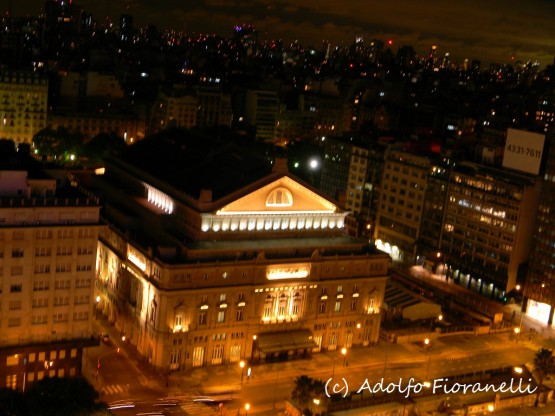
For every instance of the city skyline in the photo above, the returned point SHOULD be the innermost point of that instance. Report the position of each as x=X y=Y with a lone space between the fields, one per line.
x=491 y=32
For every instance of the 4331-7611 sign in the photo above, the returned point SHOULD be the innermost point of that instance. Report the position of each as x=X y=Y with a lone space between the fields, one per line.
x=523 y=151
x=526 y=151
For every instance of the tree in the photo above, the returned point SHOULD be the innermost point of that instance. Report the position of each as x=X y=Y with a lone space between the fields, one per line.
x=62 y=396
x=543 y=365
x=58 y=144
x=102 y=145
x=302 y=393
x=306 y=391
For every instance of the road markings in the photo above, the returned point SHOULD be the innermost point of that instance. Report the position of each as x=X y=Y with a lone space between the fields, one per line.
x=112 y=389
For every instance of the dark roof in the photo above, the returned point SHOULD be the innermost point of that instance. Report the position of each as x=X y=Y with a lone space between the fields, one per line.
x=191 y=162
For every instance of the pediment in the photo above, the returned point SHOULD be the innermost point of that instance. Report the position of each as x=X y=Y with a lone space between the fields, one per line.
x=283 y=195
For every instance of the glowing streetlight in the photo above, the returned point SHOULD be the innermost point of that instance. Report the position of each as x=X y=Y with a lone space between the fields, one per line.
x=97 y=305
x=242 y=365
x=344 y=353
x=247 y=407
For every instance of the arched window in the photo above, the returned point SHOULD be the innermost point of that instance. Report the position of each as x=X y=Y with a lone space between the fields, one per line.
x=279 y=197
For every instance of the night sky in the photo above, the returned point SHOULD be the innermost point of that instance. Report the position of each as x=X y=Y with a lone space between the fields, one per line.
x=489 y=30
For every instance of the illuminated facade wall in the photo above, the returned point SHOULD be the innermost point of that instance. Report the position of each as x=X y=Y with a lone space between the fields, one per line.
x=47 y=262
x=213 y=311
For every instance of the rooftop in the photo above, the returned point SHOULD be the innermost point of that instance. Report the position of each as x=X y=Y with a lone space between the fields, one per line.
x=191 y=162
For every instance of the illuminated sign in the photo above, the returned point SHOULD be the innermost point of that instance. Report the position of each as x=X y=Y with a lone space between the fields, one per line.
x=290 y=271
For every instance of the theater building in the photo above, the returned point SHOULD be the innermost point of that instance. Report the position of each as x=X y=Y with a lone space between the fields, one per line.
x=214 y=256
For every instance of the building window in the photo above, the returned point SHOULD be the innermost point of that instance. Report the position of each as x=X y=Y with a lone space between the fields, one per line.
x=63 y=251
x=42 y=268
x=322 y=307
x=268 y=306
x=17 y=252
x=42 y=251
x=40 y=285
x=354 y=305
x=239 y=314
x=337 y=306
x=202 y=318
x=15 y=288
x=221 y=316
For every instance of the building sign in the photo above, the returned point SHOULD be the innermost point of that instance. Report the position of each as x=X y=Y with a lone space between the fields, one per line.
x=523 y=151
x=287 y=271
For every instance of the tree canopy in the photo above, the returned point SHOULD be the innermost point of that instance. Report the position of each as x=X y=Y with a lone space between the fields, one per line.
x=53 y=397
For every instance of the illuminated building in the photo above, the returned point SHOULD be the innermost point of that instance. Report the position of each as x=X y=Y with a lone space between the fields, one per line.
x=352 y=170
x=128 y=126
x=23 y=105
x=539 y=290
x=212 y=256
x=214 y=106
x=488 y=226
x=48 y=242
x=401 y=205
x=176 y=107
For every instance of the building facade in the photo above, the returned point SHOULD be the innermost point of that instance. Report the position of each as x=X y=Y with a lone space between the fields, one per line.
x=489 y=221
x=539 y=290
x=214 y=275
x=48 y=242
x=23 y=105
x=401 y=206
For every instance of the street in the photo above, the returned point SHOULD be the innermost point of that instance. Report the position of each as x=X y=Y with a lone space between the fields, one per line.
x=131 y=390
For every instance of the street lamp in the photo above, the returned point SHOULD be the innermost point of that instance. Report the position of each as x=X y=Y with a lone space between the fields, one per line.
x=344 y=353
x=247 y=407
x=97 y=304
x=517 y=333
x=242 y=365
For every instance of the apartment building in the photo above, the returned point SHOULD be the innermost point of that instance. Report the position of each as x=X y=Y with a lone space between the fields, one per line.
x=400 y=210
x=23 y=105
x=488 y=226
x=539 y=290
x=48 y=242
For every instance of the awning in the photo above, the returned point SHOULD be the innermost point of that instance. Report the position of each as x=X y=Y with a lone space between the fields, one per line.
x=281 y=341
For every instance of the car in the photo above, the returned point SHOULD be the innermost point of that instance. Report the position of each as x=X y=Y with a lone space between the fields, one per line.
x=105 y=338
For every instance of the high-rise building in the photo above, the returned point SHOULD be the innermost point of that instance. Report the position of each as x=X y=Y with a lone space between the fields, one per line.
x=488 y=226
x=48 y=242
x=261 y=109
x=539 y=290
x=400 y=210
x=212 y=256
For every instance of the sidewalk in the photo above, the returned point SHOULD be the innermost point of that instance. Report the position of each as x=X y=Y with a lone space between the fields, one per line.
x=229 y=376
